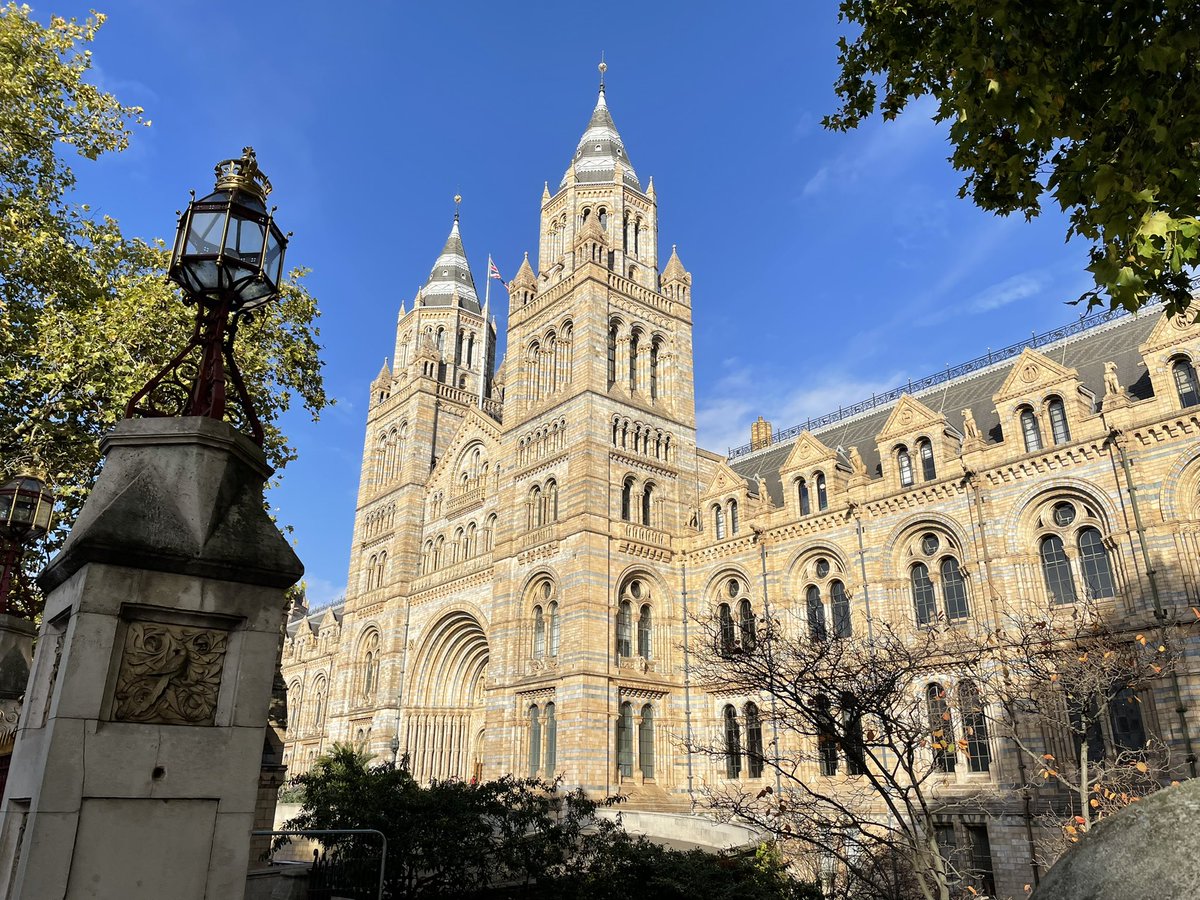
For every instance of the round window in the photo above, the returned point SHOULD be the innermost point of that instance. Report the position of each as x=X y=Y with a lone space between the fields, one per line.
x=546 y=590
x=733 y=587
x=930 y=544
x=1064 y=514
x=822 y=567
x=635 y=588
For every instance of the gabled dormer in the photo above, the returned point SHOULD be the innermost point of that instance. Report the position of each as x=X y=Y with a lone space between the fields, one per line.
x=1041 y=403
x=811 y=476
x=727 y=503
x=916 y=444
x=1172 y=353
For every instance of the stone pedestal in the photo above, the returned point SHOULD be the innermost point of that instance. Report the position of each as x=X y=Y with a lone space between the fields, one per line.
x=136 y=768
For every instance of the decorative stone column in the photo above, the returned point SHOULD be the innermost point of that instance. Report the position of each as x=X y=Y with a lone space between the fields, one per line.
x=140 y=745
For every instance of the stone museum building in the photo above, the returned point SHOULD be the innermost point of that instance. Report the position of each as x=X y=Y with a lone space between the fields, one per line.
x=531 y=540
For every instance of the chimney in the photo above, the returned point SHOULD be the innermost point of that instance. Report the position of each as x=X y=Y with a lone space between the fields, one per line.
x=760 y=434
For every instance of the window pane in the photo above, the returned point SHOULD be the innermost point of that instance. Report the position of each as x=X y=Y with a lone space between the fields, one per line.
x=928 y=467
x=644 y=633
x=754 y=742
x=733 y=744
x=922 y=594
x=827 y=745
x=746 y=621
x=816 y=614
x=1185 y=383
x=822 y=496
x=646 y=741
x=979 y=754
x=1030 y=430
x=718 y=522
x=733 y=516
x=981 y=872
x=539 y=632
x=840 y=606
x=954 y=590
x=941 y=729
x=551 y=742
x=1125 y=710
x=1057 y=570
x=852 y=731
x=805 y=507
x=625 y=629
x=728 y=630
x=1058 y=422
x=535 y=741
x=904 y=462
x=625 y=740
x=1093 y=559
x=554 y=629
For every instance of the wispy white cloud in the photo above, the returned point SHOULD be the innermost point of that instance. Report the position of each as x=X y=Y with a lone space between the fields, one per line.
x=745 y=392
x=322 y=592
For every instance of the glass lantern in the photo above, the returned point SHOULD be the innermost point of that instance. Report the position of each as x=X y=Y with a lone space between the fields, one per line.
x=26 y=506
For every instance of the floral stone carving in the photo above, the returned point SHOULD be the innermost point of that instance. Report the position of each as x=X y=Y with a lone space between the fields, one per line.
x=170 y=674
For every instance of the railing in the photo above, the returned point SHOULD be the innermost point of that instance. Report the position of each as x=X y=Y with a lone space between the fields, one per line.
x=644 y=534
x=466 y=500
x=980 y=362
x=541 y=535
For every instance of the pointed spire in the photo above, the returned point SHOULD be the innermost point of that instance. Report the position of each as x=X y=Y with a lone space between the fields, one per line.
x=545 y=191
x=601 y=148
x=650 y=188
x=384 y=373
x=525 y=276
x=402 y=311
x=450 y=282
x=674 y=270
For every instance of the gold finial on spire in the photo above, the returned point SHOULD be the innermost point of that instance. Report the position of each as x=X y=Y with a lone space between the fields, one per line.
x=457 y=204
x=603 y=67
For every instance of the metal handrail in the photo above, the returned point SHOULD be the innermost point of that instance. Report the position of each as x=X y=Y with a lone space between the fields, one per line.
x=949 y=373
x=315 y=831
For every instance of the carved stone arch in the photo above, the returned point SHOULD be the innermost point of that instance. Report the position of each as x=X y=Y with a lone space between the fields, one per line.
x=1179 y=487
x=1019 y=528
x=911 y=527
x=713 y=585
x=453 y=644
x=812 y=549
x=536 y=575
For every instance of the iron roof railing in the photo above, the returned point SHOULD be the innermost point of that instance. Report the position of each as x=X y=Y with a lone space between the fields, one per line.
x=875 y=401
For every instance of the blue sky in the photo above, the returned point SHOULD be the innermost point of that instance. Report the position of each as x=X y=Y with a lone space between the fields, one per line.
x=826 y=266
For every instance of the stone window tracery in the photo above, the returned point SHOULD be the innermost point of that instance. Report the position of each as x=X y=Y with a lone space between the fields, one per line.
x=1072 y=552
x=826 y=587
x=935 y=572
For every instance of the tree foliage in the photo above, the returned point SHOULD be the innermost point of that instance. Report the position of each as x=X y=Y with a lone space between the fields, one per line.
x=512 y=837
x=1097 y=104
x=86 y=314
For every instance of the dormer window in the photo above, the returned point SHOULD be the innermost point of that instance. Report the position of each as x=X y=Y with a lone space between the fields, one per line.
x=1058 y=421
x=904 y=466
x=928 y=466
x=1184 y=375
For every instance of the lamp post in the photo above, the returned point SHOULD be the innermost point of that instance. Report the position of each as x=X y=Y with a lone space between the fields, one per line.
x=26 y=505
x=228 y=258
x=395 y=745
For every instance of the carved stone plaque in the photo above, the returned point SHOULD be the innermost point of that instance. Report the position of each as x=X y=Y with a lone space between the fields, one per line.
x=169 y=674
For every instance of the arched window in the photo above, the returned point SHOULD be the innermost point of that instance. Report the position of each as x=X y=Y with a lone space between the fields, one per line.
x=728 y=629
x=1056 y=569
x=852 y=729
x=646 y=741
x=370 y=664
x=822 y=494
x=627 y=500
x=634 y=340
x=941 y=729
x=922 y=594
x=719 y=522
x=1058 y=421
x=539 y=633
x=318 y=705
x=553 y=611
x=644 y=631
x=928 y=466
x=904 y=466
x=802 y=489
x=551 y=741
x=625 y=740
x=979 y=754
x=612 y=353
x=1093 y=560
x=1186 y=386
x=827 y=742
x=746 y=624
x=839 y=605
x=647 y=503
x=1030 y=430
x=1125 y=716
x=534 y=510
x=489 y=532
x=733 y=744
x=816 y=613
x=754 y=742
x=655 y=348
x=625 y=629
x=535 y=740
x=954 y=590
x=551 y=501
x=733 y=517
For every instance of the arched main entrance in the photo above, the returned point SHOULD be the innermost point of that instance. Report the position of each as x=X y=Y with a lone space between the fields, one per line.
x=446 y=714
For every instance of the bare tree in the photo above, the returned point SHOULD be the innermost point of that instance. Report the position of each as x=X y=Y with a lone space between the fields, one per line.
x=862 y=739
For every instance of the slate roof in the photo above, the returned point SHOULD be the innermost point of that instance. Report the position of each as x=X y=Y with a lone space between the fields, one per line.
x=1116 y=340
x=599 y=150
x=451 y=275
x=326 y=615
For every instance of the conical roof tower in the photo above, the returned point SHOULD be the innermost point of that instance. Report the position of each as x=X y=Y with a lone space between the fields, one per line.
x=450 y=280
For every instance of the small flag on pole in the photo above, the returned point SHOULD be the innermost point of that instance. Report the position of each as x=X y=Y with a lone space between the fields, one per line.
x=493 y=272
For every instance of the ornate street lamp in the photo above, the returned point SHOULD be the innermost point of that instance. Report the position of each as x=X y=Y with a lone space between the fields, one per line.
x=228 y=258
x=26 y=506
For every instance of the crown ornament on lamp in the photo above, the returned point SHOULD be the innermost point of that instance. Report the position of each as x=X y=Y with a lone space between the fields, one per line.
x=228 y=259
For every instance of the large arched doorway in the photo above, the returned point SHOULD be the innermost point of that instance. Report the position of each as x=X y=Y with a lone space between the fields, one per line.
x=446 y=713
